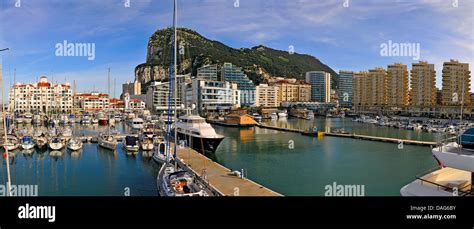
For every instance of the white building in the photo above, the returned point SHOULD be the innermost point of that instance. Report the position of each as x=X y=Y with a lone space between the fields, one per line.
x=94 y=101
x=135 y=104
x=41 y=96
x=266 y=96
x=212 y=96
x=158 y=97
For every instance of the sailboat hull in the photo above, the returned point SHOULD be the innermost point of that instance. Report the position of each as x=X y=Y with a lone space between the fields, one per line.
x=107 y=144
x=202 y=145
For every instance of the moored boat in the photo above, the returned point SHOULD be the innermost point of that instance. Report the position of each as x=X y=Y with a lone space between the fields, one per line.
x=27 y=142
x=56 y=143
x=176 y=182
x=198 y=133
x=74 y=144
x=131 y=144
x=107 y=141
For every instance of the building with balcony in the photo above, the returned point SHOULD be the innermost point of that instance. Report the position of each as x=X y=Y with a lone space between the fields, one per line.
x=41 y=96
x=212 y=96
x=234 y=74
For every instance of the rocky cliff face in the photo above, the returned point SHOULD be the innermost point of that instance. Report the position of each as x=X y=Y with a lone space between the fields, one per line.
x=195 y=51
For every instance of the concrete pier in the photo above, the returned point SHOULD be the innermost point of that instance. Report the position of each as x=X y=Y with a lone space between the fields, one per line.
x=219 y=177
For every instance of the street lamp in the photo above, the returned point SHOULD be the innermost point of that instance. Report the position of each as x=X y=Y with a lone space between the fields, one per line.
x=5 y=49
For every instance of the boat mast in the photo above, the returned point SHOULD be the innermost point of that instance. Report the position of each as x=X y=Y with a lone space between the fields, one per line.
x=175 y=94
x=108 y=113
x=14 y=95
x=5 y=136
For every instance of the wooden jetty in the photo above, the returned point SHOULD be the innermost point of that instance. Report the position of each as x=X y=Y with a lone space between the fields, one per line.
x=383 y=139
x=219 y=177
x=355 y=136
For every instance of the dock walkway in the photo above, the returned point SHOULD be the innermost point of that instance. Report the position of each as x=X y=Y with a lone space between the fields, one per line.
x=355 y=136
x=219 y=177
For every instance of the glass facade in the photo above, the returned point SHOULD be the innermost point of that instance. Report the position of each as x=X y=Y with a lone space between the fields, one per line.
x=320 y=86
x=234 y=74
x=345 y=88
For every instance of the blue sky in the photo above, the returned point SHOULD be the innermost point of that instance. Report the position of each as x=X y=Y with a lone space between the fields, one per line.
x=346 y=38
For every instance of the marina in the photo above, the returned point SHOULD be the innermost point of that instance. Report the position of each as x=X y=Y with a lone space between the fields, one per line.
x=251 y=151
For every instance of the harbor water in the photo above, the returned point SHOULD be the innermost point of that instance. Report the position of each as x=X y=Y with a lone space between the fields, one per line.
x=288 y=163
x=297 y=165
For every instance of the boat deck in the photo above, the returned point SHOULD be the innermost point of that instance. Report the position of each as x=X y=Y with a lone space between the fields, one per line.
x=219 y=178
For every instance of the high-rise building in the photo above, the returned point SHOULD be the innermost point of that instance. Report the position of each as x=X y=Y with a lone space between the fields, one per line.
x=158 y=97
x=423 y=84
x=132 y=88
x=397 y=85
x=359 y=88
x=208 y=72
x=456 y=83
x=41 y=96
x=293 y=91
x=320 y=86
x=376 y=85
x=212 y=96
x=234 y=74
x=267 y=96
x=345 y=88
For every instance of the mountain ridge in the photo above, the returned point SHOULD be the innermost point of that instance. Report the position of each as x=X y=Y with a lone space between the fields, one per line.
x=194 y=50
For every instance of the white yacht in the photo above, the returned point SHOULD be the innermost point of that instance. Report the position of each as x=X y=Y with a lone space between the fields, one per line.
x=28 y=118
x=455 y=156
x=12 y=142
x=136 y=123
x=55 y=143
x=274 y=116
x=27 y=142
x=107 y=141
x=74 y=144
x=131 y=143
x=86 y=119
x=66 y=132
x=201 y=135
x=282 y=114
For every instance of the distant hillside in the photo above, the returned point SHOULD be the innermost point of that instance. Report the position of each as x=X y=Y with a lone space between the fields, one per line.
x=258 y=62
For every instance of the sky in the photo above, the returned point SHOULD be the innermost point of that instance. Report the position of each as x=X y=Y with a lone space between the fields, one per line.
x=345 y=34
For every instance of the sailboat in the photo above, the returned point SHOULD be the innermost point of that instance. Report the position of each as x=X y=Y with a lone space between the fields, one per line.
x=172 y=180
x=41 y=142
x=74 y=144
x=159 y=155
x=56 y=143
x=27 y=142
x=12 y=142
x=107 y=140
